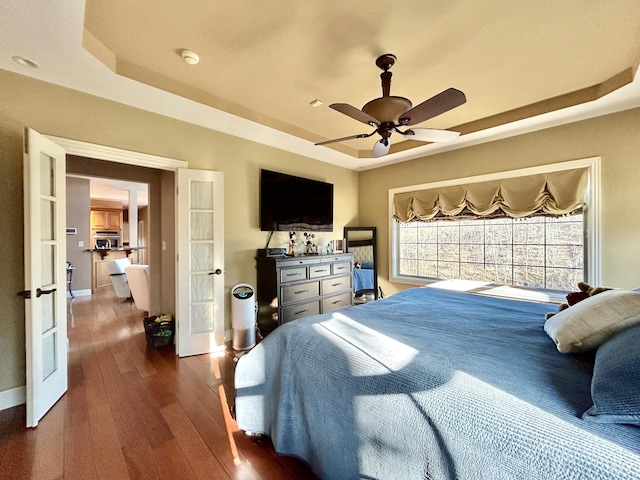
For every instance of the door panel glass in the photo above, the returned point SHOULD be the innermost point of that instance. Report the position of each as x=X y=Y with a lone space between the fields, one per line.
x=201 y=195
x=47 y=175
x=48 y=309
x=202 y=318
x=49 y=355
x=201 y=226
x=201 y=288
x=201 y=257
x=47 y=219
x=48 y=264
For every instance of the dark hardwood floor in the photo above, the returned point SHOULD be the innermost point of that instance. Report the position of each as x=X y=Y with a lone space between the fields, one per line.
x=132 y=412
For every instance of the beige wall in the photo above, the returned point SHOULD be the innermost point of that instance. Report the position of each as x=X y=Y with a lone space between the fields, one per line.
x=65 y=113
x=78 y=216
x=615 y=138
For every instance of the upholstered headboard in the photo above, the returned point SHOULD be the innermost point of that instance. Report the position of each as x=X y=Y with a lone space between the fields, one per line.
x=362 y=254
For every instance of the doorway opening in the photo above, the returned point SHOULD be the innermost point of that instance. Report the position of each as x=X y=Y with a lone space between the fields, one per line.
x=107 y=219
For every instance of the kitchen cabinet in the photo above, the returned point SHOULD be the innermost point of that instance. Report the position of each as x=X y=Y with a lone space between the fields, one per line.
x=106 y=219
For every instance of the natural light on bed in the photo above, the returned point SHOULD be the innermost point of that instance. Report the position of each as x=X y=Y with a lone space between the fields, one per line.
x=504 y=291
x=346 y=333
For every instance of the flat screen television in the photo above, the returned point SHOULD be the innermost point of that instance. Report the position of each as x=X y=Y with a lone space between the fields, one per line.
x=289 y=203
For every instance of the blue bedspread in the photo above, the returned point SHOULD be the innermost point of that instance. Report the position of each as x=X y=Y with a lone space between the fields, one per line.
x=362 y=279
x=430 y=384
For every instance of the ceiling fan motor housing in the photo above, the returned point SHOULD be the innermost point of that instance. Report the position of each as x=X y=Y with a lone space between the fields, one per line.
x=387 y=109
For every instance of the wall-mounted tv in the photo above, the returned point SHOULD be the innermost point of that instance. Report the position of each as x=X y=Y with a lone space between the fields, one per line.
x=289 y=203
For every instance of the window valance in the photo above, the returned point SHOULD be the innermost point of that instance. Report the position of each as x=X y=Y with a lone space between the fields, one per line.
x=552 y=193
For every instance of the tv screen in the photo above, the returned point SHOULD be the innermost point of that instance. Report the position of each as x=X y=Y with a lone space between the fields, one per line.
x=289 y=203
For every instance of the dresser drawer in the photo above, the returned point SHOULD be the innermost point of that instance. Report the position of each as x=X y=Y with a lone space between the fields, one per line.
x=336 y=302
x=300 y=311
x=316 y=271
x=341 y=267
x=293 y=274
x=300 y=291
x=336 y=284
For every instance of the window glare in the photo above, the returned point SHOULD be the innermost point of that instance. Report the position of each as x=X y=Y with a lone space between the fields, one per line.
x=536 y=252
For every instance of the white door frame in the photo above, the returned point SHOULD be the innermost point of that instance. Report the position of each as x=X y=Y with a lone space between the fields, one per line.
x=127 y=157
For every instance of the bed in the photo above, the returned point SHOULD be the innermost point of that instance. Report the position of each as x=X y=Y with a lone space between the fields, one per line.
x=432 y=384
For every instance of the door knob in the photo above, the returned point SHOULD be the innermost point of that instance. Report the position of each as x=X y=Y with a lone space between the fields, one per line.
x=217 y=271
x=40 y=292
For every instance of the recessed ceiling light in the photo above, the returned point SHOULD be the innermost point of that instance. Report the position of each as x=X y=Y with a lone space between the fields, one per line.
x=315 y=103
x=25 y=61
x=190 y=57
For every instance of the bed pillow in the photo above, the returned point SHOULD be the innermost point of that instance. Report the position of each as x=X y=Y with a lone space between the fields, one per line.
x=615 y=387
x=589 y=323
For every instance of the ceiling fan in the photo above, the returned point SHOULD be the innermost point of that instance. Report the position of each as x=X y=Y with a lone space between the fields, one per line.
x=387 y=113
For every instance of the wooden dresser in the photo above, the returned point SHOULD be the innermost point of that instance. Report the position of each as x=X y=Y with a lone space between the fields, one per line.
x=296 y=287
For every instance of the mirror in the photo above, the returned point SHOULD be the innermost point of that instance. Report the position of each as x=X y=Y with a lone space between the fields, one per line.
x=361 y=241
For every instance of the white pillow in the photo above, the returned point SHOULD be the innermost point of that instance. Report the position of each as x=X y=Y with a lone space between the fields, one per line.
x=589 y=323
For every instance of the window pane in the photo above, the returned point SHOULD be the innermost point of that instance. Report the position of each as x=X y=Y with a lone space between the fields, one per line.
x=472 y=253
x=427 y=234
x=449 y=233
x=472 y=234
x=448 y=270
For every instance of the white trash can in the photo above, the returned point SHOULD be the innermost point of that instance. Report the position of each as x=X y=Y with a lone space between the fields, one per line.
x=243 y=316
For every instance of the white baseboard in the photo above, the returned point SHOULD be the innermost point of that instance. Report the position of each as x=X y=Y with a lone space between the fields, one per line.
x=12 y=397
x=80 y=293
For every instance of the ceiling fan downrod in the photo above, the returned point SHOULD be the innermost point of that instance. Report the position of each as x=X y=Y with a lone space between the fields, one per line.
x=385 y=62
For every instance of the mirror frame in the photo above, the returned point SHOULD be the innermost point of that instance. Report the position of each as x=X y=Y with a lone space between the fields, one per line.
x=364 y=243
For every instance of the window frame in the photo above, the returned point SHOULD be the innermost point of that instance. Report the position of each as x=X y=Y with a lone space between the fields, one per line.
x=591 y=215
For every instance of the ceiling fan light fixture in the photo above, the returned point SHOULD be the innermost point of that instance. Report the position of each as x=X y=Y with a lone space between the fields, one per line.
x=381 y=147
x=190 y=57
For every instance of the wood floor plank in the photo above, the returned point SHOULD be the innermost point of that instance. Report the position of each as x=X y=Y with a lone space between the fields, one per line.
x=200 y=458
x=48 y=458
x=107 y=448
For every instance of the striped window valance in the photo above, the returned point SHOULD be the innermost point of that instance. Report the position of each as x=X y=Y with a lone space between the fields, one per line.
x=552 y=193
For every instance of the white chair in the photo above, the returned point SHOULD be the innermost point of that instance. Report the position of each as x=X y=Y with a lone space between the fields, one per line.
x=138 y=278
x=118 y=277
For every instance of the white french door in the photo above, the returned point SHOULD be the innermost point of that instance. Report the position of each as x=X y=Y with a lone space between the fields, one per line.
x=45 y=274
x=200 y=270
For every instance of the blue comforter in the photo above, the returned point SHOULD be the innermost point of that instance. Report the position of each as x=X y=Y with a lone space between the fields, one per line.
x=430 y=384
x=362 y=279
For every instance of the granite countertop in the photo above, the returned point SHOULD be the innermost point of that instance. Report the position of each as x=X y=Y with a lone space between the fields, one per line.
x=119 y=249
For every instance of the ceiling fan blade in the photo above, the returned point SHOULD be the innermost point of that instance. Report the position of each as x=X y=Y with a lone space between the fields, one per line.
x=355 y=113
x=436 y=105
x=350 y=137
x=431 y=135
x=380 y=149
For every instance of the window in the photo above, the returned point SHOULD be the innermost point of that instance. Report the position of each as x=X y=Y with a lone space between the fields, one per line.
x=537 y=252
x=540 y=251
